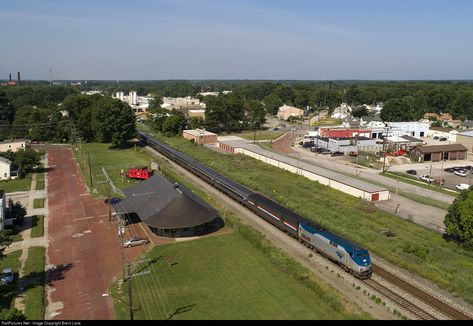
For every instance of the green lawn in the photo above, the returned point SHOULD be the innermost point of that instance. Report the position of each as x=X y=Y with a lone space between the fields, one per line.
x=34 y=298
x=40 y=181
x=7 y=292
x=224 y=277
x=38 y=203
x=38 y=227
x=16 y=185
x=414 y=248
x=260 y=135
x=113 y=161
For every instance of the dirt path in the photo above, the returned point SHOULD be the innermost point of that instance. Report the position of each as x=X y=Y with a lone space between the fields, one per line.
x=84 y=247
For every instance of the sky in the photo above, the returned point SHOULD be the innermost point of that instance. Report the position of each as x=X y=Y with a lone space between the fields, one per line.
x=237 y=39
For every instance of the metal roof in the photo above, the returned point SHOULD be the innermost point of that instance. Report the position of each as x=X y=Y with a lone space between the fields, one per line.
x=161 y=204
x=442 y=148
x=302 y=165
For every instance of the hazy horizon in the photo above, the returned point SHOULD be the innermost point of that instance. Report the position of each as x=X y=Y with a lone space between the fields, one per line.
x=152 y=40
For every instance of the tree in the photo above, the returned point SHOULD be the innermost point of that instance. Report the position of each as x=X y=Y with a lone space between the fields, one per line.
x=255 y=113
x=459 y=220
x=173 y=125
x=273 y=103
x=12 y=314
x=5 y=241
x=360 y=111
x=113 y=121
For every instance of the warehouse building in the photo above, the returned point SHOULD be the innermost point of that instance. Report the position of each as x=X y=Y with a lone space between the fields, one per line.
x=348 y=185
x=169 y=210
x=439 y=153
x=466 y=139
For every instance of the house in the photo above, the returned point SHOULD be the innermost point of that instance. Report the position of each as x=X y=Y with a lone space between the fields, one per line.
x=2 y=209
x=446 y=117
x=397 y=143
x=467 y=125
x=453 y=152
x=5 y=166
x=12 y=145
x=351 y=122
x=285 y=112
x=431 y=116
x=342 y=112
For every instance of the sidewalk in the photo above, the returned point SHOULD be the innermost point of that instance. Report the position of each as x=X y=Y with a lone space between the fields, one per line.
x=29 y=242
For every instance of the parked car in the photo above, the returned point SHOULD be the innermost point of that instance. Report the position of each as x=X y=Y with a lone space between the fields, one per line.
x=412 y=172
x=443 y=139
x=462 y=186
x=353 y=154
x=135 y=242
x=333 y=154
x=436 y=138
x=449 y=170
x=460 y=173
x=325 y=151
x=7 y=276
x=426 y=178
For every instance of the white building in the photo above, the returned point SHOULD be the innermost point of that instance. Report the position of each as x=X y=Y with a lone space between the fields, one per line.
x=414 y=129
x=133 y=98
x=5 y=166
x=342 y=112
x=2 y=209
x=209 y=94
x=120 y=96
x=12 y=145
x=285 y=112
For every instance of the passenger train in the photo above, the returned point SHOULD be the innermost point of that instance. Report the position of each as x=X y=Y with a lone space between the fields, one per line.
x=351 y=257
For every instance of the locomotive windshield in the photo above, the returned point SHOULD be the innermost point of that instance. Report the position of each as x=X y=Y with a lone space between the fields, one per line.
x=362 y=258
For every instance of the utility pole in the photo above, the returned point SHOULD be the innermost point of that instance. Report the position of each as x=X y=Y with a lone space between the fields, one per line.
x=50 y=75
x=90 y=171
x=130 y=297
x=384 y=150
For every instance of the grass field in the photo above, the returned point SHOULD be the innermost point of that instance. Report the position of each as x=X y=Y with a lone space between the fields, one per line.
x=414 y=248
x=225 y=278
x=113 y=161
x=38 y=227
x=38 y=203
x=236 y=276
x=16 y=185
x=40 y=181
x=260 y=135
x=7 y=292
x=34 y=298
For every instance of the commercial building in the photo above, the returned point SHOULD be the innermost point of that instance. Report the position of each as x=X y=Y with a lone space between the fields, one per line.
x=414 y=129
x=285 y=112
x=344 y=133
x=453 y=152
x=466 y=139
x=169 y=210
x=200 y=136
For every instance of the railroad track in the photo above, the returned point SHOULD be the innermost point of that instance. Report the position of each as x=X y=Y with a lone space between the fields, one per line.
x=412 y=308
x=438 y=305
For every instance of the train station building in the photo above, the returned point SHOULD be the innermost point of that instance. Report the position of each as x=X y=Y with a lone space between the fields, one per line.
x=168 y=209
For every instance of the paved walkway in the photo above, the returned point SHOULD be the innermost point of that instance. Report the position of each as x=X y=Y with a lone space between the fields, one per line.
x=425 y=215
x=28 y=242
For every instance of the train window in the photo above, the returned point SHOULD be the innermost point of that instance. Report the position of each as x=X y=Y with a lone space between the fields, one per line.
x=333 y=244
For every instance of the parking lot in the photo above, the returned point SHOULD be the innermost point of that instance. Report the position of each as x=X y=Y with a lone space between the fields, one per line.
x=439 y=171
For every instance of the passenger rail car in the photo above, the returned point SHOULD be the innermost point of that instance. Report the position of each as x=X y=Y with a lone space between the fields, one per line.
x=351 y=257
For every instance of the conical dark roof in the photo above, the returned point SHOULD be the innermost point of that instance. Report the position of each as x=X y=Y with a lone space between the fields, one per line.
x=161 y=204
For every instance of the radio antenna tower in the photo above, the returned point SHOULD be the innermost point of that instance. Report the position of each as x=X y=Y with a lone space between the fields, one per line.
x=50 y=75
